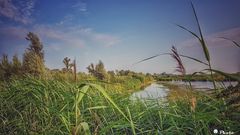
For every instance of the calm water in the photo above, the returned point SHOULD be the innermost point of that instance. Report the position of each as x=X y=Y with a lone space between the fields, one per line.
x=204 y=85
x=154 y=91
x=158 y=91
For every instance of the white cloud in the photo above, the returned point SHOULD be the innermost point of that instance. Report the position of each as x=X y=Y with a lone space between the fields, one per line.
x=66 y=20
x=105 y=39
x=20 y=13
x=58 y=35
x=80 y=6
x=75 y=36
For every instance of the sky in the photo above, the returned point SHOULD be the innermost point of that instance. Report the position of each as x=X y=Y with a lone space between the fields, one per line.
x=123 y=32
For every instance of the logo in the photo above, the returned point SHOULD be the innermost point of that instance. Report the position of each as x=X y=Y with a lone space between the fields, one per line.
x=222 y=132
x=215 y=131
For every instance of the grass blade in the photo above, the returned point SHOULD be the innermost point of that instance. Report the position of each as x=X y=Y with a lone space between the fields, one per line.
x=86 y=128
x=236 y=78
x=131 y=122
x=194 y=59
x=205 y=49
x=234 y=42
x=170 y=54
x=194 y=34
x=104 y=93
x=149 y=58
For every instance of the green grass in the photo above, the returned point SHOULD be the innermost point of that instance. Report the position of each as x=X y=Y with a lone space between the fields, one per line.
x=57 y=107
x=31 y=106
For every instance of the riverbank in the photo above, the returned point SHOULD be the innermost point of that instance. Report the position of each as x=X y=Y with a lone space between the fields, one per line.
x=179 y=92
x=33 y=106
x=140 y=87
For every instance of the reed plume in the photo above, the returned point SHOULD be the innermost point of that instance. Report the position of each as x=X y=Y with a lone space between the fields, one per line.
x=180 y=67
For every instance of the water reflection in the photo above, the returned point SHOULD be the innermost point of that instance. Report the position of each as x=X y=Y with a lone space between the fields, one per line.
x=204 y=85
x=154 y=91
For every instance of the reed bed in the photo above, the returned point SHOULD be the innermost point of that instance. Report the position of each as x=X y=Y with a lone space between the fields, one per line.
x=32 y=106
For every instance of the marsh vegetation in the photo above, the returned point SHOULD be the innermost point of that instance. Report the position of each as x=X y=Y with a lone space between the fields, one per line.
x=37 y=100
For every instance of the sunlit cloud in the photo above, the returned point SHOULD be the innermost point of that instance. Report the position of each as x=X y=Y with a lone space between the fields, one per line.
x=20 y=12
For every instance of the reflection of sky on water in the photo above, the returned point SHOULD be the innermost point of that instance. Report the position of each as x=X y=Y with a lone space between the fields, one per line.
x=159 y=92
x=154 y=91
x=206 y=85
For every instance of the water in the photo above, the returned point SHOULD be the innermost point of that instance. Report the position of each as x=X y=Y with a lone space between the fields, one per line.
x=158 y=91
x=154 y=91
x=204 y=85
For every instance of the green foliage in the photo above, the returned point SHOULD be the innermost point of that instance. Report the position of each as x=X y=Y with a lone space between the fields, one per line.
x=5 y=67
x=33 y=58
x=16 y=65
x=35 y=46
x=32 y=106
x=33 y=64
x=8 y=68
x=98 y=71
x=68 y=65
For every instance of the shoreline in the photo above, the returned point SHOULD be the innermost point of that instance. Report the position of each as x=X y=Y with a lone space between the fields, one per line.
x=178 y=91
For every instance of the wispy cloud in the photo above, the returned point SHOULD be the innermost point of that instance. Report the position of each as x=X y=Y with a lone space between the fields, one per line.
x=66 y=20
x=75 y=36
x=20 y=12
x=106 y=40
x=80 y=6
x=59 y=35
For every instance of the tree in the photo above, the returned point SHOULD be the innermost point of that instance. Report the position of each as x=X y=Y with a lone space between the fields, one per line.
x=98 y=71
x=67 y=64
x=8 y=68
x=33 y=58
x=5 y=67
x=35 y=46
x=70 y=67
x=16 y=65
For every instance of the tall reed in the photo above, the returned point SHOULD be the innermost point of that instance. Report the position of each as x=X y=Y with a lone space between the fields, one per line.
x=202 y=43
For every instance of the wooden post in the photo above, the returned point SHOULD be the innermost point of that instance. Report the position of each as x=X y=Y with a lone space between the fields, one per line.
x=75 y=70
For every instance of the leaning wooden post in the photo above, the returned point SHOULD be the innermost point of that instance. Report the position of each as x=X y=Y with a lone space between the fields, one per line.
x=75 y=70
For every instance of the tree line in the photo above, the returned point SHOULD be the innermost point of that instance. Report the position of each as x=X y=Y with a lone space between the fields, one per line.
x=33 y=64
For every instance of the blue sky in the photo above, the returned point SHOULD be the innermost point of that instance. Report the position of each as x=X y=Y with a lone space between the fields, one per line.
x=122 y=32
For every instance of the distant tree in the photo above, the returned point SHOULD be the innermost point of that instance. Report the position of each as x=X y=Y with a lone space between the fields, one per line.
x=122 y=72
x=91 y=69
x=111 y=73
x=67 y=64
x=70 y=67
x=33 y=58
x=35 y=46
x=16 y=65
x=126 y=73
x=5 y=67
x=8 y=68
x=98 y=71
